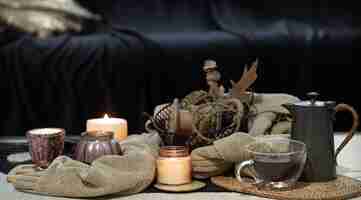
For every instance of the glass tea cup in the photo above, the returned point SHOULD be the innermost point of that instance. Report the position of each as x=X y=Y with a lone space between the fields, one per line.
x=276 y=163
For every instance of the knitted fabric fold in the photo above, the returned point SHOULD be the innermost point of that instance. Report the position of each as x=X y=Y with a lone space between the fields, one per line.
x=125 y=174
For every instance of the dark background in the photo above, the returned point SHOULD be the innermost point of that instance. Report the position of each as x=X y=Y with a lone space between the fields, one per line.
x=148 y=52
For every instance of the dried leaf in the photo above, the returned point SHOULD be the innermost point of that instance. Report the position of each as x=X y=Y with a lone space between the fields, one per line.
x=249 y=76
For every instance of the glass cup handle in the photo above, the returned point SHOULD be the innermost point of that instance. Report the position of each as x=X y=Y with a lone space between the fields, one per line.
x=243 y=165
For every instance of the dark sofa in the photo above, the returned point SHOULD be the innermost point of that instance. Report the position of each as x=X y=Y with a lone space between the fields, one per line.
x=148 y=52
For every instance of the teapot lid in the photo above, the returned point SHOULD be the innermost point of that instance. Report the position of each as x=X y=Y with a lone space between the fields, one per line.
x=313 y=102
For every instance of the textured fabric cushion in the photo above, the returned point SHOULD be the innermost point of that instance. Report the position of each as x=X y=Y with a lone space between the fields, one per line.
x=125 y=174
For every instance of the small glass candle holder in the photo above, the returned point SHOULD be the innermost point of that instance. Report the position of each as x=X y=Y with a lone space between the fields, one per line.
x=45 y=144
x=94 y=144
x=174 y=166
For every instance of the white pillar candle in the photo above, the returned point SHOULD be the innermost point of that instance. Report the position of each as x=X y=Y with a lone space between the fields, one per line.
x=118 y=126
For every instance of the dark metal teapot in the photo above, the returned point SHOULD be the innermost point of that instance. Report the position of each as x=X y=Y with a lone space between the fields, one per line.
x=313 y=125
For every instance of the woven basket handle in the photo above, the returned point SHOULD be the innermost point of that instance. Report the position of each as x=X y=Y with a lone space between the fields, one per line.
x=350 y=133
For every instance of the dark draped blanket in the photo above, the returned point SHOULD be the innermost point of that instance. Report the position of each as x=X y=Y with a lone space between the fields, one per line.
x=149 y=52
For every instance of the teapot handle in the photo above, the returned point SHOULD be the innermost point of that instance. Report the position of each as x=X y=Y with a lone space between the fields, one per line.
x=350 y=133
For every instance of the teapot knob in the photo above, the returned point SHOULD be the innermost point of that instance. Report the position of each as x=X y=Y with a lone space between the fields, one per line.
x=313 y=96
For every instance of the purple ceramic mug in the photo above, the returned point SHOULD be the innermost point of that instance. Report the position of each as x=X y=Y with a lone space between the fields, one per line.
x=45 y=144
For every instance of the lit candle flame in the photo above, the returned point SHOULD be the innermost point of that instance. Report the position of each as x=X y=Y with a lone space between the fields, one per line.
x=106 y=116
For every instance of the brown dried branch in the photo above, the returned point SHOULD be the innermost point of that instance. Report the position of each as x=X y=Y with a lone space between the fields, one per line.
x=249 y=76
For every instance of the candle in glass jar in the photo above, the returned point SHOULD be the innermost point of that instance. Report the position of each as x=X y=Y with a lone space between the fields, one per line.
x=118 y=126
x=174 y=166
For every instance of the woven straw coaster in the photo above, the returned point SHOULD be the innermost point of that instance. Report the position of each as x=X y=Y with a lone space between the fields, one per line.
x=341 y=188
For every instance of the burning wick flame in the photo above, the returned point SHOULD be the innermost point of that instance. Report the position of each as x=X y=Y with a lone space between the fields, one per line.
x=106 y=116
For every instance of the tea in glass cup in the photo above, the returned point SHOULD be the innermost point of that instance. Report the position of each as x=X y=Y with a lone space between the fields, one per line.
x=277 y=163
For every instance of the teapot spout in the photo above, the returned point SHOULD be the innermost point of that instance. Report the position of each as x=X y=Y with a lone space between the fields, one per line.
x=290 y=107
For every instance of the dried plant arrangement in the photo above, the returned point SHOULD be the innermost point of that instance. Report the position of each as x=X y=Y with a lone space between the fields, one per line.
x=205 y=116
